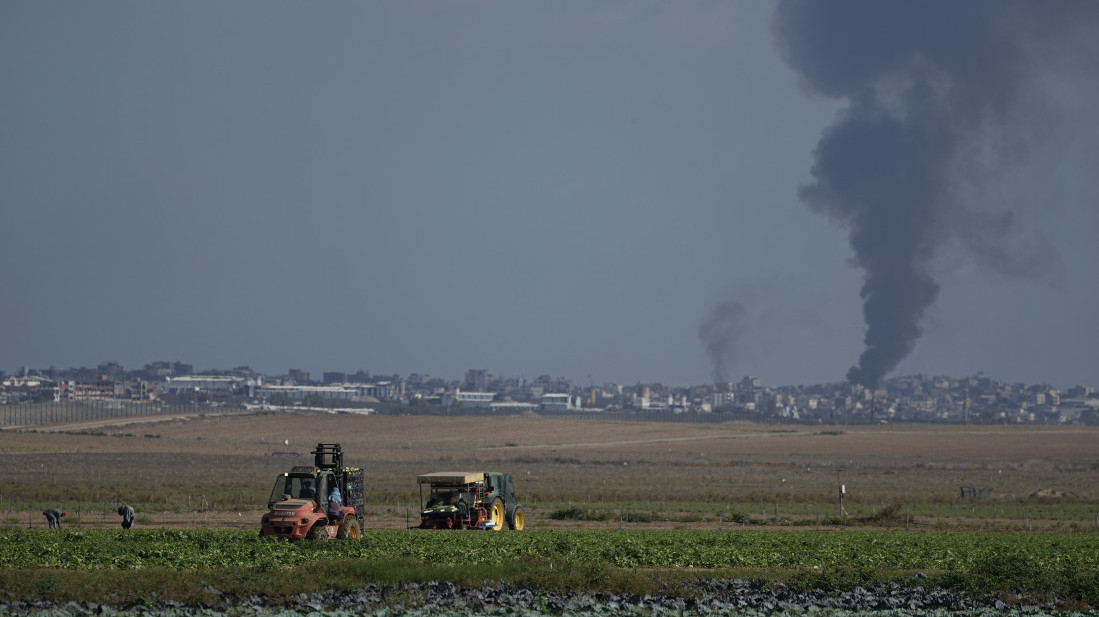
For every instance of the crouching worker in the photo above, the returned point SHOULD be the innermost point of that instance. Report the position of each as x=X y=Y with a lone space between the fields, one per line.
x=335 y=502
x=54 y=516
x=127 y=514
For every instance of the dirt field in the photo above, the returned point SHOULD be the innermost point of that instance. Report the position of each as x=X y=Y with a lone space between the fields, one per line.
x=220 y=468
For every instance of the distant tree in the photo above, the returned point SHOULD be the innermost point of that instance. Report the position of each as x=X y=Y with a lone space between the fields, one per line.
x=43 y=395
x=282 y=399
x=315 y=399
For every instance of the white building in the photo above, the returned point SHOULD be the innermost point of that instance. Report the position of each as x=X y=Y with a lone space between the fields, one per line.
x=200 y=383
x=723 y=399
x=468 y=399
x=560 y=402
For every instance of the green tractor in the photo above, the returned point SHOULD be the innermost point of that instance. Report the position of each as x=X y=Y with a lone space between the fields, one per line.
x=469 y=500
x=299 y=506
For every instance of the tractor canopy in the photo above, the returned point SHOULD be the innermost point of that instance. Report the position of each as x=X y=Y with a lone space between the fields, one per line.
x=294 y=485
x=451 y=477
x=446 y=487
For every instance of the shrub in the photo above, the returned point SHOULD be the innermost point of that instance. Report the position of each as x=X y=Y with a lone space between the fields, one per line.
x=739 y=518
x=576 y=513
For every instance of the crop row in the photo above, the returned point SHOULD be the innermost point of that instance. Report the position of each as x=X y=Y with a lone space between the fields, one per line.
x=198 y=549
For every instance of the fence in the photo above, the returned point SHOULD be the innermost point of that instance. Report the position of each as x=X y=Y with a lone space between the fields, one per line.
x=30 y=415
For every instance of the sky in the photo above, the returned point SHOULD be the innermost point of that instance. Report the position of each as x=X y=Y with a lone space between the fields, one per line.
x=616 y=191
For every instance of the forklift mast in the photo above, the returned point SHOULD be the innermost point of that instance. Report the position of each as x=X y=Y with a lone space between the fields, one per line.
x=328 y=456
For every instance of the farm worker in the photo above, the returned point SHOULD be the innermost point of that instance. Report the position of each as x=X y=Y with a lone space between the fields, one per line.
x=127 y=514
x=54 y=516
x=307 y=491
x=334 y=504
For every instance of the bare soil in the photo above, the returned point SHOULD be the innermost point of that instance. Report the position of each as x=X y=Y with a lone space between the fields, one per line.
x=189 y=470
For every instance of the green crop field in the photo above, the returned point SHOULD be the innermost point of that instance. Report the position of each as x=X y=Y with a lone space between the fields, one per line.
x=196 y=549
x=626 y=506
x=107 y=563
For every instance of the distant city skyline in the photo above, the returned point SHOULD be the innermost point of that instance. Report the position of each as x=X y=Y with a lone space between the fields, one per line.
x=318 y=376
x=571 y=188
x=157 y=386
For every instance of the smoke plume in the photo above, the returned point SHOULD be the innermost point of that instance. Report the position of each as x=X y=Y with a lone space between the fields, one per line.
x=933 y=93
x=720 y=333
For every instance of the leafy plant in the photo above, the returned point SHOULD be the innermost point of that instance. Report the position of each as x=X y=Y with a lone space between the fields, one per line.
x=1057 y=565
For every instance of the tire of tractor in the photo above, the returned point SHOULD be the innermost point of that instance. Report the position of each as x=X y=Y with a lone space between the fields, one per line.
x=349 y=529
x=498 y=514
x=317 y=533
x=515 y=519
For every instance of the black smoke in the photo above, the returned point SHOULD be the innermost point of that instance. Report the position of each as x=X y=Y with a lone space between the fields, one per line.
x=720 y=332
x=933 y=93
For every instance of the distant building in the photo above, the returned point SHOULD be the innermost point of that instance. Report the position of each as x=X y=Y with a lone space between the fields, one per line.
x=141 y=390
x=560 y=402
x=720 y=400
x=337 y=392
x=212 y=384
x=86 y=390
x=382 y=390
x=299 y=393
x=474 y=399
x=156 y=371
x=331 y=377
x=476 y=380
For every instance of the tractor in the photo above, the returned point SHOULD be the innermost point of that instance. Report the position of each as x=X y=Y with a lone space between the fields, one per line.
x=299 y=505
x=469 y=500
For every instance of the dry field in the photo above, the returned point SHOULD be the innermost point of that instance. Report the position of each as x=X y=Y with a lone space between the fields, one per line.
x=189 y=469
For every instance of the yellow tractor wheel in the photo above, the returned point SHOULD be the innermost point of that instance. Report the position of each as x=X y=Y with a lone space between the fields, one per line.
x=498 y=514
x=349 y=529
x=515 y=521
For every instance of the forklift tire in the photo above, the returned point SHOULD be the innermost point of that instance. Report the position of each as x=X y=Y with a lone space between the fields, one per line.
x=515 y=519
x=317 y=533
x=498 y=514
x=349 y=529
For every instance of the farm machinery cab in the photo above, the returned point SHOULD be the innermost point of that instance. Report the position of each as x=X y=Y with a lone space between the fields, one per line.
x=299 y=506
x=468 y=500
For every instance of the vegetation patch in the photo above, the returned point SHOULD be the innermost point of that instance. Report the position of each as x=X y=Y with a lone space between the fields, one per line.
x=576 y=513
x=183 y=565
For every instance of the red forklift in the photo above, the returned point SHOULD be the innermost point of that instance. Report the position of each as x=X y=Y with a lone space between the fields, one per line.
x=299 y=507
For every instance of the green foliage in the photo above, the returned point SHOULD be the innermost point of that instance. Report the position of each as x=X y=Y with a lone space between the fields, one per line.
x=1061 y=565
x=1014 y=557
x=281 y=399
x=739 y=518
x=576 y=513
x=315 y=399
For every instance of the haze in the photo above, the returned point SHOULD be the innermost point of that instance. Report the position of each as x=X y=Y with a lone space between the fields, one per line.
x=569 y=188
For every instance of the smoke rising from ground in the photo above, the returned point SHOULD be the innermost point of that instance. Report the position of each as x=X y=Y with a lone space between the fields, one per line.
x=720 y=332
x=934 y=94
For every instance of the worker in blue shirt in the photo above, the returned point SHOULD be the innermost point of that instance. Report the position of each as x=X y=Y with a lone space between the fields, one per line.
x=335 y=502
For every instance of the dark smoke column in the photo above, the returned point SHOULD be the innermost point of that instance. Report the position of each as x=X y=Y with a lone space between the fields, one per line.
x=720 y=333
x=925 y=85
